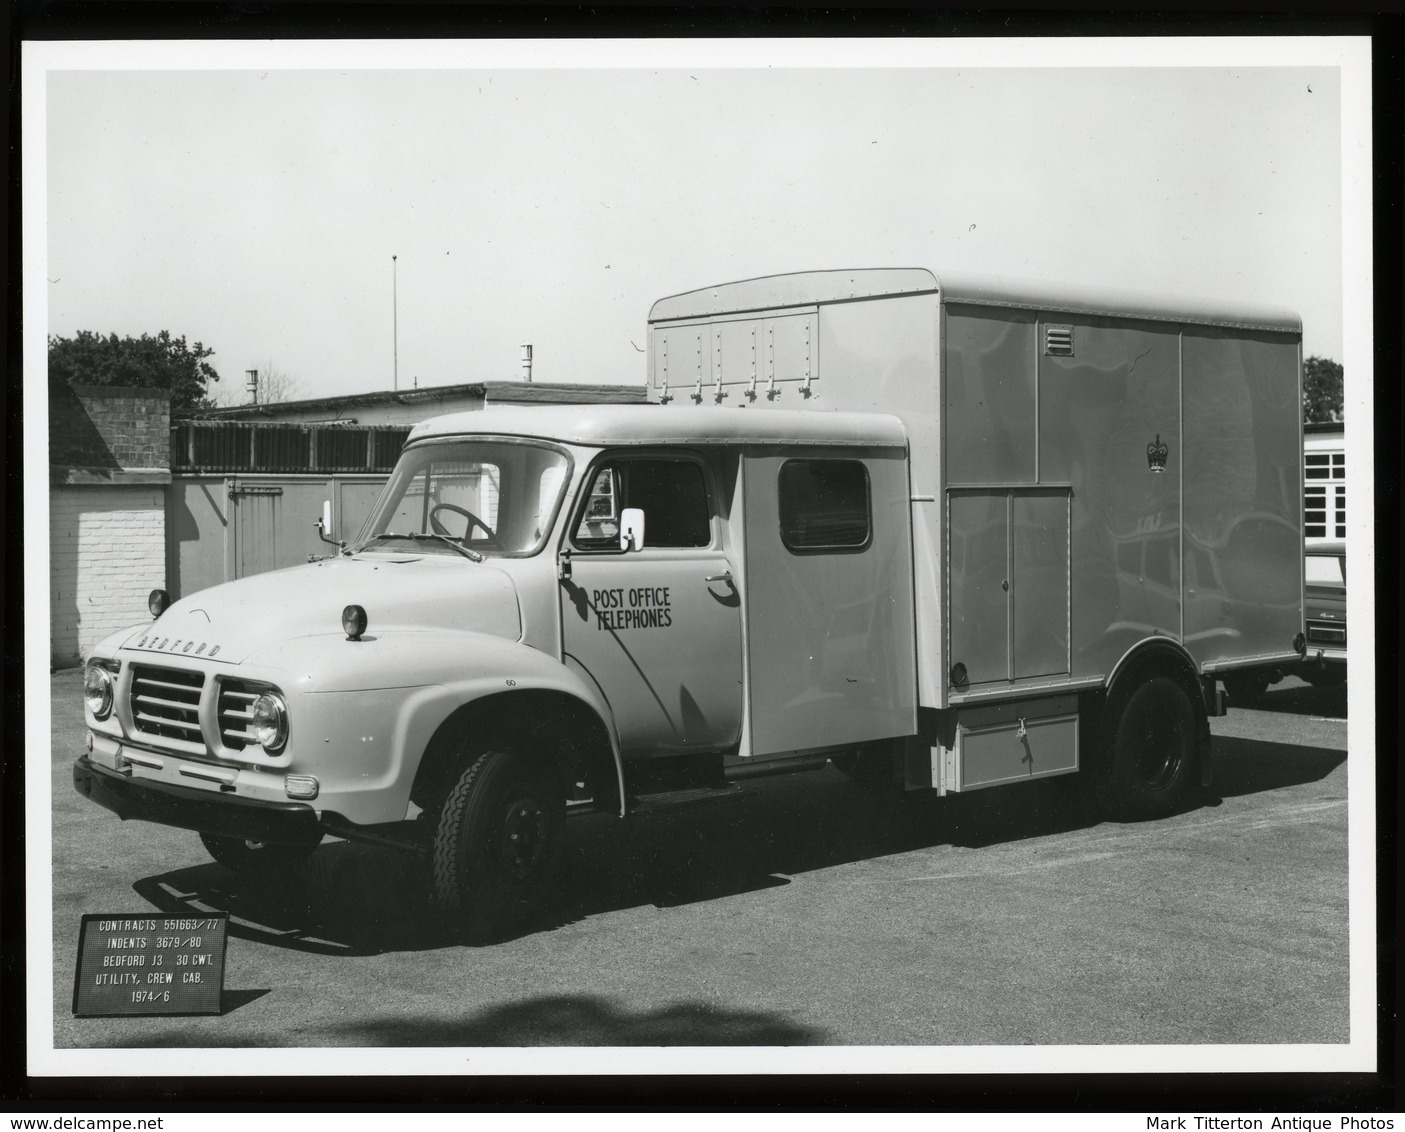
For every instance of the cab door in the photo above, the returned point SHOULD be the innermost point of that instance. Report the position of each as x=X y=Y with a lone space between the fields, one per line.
x=658 y=629
x=831 y=636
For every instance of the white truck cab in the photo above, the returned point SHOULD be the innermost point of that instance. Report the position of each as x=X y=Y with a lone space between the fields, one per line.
x=865 y=521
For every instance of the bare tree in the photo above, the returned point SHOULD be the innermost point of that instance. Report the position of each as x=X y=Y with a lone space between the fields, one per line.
x=275 y=384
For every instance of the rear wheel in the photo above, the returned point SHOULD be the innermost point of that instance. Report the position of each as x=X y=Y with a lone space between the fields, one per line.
x=1150 y=730
x=497 y=844
x=245 y=856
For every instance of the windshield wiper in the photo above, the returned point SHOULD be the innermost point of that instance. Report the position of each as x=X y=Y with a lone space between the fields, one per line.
x=467 y=552
x=472 y=555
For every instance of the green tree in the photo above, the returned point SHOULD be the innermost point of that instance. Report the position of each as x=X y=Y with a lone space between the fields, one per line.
x=1322 y=391
x=160 y=362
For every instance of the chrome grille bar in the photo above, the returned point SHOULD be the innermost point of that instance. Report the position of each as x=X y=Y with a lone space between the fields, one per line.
x=165 y=702
x=235 y=709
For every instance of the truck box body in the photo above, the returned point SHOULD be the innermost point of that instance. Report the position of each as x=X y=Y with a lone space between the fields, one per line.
x=1087 y=471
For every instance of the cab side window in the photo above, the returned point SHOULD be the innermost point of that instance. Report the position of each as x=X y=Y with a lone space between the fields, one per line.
x=671 y=493
x=824 y=505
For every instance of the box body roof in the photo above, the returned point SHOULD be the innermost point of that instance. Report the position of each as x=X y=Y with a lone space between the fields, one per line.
x=813 y=287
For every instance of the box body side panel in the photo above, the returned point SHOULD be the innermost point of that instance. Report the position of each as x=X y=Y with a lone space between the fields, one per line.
x=990 y=396
x=1101 y=409
x=882 y=356
x=1243 y=494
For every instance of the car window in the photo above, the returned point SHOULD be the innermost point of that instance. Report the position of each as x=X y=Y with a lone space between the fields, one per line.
x=1324 y=570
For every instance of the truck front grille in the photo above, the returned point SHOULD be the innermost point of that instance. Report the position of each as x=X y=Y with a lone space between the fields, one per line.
x=236 y=713
x=165 y=702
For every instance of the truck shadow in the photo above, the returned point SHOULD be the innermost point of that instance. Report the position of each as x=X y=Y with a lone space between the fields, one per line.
x=343 y=900
x=358 y=900
x=1251 y=766
x=1294 y=697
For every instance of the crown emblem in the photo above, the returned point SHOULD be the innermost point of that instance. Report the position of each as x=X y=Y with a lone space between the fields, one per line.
x=1156 y=453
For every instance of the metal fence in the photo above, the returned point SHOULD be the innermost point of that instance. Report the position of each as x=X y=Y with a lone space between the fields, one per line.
x=257 y=446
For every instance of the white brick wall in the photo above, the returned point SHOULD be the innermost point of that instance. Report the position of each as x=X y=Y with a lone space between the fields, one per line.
x=107 y=552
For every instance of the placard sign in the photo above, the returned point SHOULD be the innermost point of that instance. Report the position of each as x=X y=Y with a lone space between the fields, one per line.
x=144 y=964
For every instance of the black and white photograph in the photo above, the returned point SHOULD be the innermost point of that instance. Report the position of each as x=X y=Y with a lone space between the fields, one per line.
x=699 y=556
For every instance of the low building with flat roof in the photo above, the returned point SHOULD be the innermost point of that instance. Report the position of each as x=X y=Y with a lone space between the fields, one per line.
x=410 y=406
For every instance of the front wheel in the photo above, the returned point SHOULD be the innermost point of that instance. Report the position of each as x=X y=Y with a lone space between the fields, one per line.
x=497 y=844
x=1151 y=737
x=241 y=855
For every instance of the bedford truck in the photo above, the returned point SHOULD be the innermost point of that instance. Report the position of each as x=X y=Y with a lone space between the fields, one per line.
x=946 y=535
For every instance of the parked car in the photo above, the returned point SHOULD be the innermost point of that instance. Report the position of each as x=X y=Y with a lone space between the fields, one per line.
x=1325 y=609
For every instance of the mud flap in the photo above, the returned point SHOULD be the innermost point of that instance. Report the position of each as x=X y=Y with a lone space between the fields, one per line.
x=1214 y=701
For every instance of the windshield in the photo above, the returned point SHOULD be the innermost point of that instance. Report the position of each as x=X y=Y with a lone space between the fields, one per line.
x=469 y=497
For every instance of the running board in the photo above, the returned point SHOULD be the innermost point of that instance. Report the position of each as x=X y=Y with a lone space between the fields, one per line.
x=672 y=799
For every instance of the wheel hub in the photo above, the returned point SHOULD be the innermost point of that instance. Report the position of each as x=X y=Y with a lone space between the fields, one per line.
x=524 y=838
x=1160 y=744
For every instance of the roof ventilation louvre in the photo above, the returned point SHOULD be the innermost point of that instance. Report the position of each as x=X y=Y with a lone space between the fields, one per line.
x=1058 y=340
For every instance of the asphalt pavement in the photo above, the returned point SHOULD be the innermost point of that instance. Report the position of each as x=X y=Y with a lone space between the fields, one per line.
x=806 y=912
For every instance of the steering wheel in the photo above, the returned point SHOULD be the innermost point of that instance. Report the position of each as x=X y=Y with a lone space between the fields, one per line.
x=473 y=521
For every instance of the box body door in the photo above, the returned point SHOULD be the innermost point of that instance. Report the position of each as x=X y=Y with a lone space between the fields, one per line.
x=1009 y=593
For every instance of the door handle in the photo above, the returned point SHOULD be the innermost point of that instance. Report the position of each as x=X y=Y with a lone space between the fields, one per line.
x=726 y=577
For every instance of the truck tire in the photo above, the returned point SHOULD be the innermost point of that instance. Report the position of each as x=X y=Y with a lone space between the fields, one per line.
x=1149 y=729
x=497 y=845
x=243 y=856
x=1246 y=686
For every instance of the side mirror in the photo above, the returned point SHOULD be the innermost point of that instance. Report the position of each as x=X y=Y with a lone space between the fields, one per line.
x=324 y=524
x=632 y=529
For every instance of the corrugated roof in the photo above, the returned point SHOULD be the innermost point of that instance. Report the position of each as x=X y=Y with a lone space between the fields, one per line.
x=488 y=391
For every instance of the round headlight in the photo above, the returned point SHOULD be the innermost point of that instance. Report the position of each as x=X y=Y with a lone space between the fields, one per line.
x=97 y=691
x=157 y=601
x=270 y=721
x=353 y=622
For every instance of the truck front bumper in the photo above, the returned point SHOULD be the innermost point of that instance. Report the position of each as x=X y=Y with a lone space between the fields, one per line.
x=287 y=823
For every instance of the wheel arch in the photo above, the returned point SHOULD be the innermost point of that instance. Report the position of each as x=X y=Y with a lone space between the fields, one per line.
x=1161 y=656
x=584 y=740
x=1165 y=651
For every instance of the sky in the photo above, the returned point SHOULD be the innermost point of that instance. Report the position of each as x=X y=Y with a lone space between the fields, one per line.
x=257 y=210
